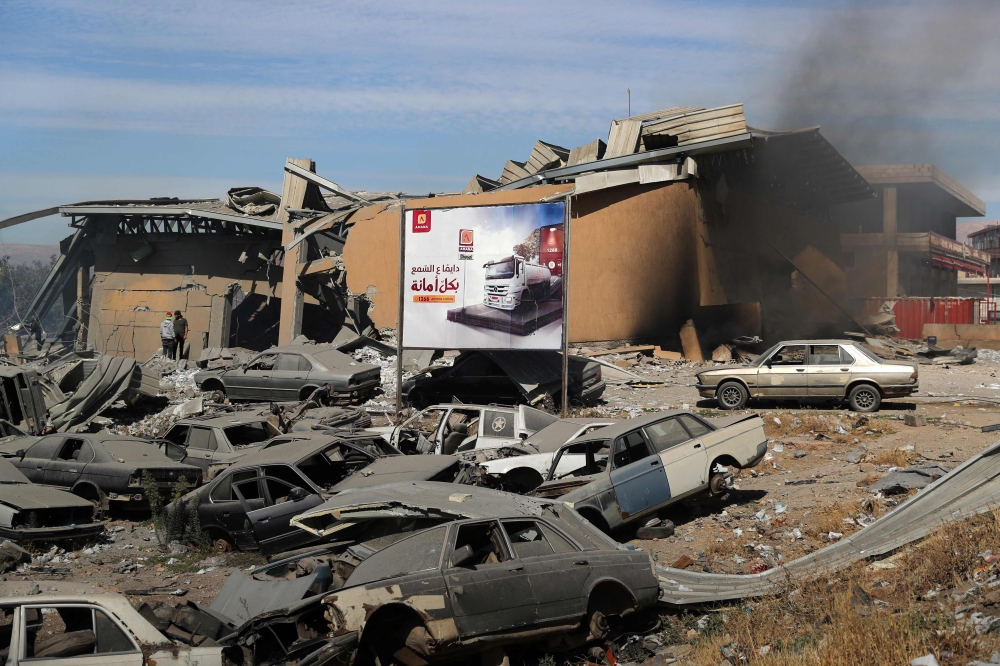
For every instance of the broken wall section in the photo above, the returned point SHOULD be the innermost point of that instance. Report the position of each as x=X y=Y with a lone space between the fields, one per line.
x=200 y=275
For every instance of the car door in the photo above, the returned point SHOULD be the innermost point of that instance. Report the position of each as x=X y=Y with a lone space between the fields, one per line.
x=67 y=466
x=784 y=374
x=683 y=456
x=72 y=634
x=38 y=455
x=253 y=381
x=827 y=372
x=201 y=447
x=555 y=567
x=270 y=523
x=229 y=507
x=470 y=380
x=490 y=593
x=637 y=475
x=289 y=376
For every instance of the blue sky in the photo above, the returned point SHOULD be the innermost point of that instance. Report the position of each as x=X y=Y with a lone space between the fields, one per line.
x=108 y=98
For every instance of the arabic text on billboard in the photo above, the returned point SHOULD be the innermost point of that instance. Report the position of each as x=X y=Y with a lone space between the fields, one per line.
x=487 y=277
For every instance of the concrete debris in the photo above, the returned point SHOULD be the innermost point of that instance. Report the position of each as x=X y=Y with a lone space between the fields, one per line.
x=857 y=455
x=914 y=420
x=722 y=354
x=911 y=478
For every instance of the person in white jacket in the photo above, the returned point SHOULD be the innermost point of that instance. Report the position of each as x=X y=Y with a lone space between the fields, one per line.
x=167 y=336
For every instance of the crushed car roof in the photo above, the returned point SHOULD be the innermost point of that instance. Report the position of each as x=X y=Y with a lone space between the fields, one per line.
x=416 y=499
x=395 y=469
x=223 y=420
x=298 y=448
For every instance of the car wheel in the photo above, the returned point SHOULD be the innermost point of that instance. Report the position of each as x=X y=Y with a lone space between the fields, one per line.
x=662 y=531
x=864 y=398
x=732 y=395
x=222 y=545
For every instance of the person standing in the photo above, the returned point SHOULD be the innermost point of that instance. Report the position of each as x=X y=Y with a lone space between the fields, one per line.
x=180 y=333
x=167 y=336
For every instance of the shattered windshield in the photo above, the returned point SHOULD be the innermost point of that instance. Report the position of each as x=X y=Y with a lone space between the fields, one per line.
x=246 y=434
x=425 y=422
x=581 y=459
x=500 y=270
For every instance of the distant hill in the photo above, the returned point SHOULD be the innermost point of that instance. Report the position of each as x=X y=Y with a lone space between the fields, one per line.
x=25 y=253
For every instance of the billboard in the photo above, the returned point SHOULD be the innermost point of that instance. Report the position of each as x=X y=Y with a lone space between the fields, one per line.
x=485 y=277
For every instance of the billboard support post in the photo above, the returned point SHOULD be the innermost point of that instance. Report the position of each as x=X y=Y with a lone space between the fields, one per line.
x=568 y=213
x=399 y=315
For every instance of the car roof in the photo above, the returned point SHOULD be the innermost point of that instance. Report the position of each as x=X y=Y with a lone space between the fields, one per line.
x=222 y=420
x=628 y=425
x=304 y=445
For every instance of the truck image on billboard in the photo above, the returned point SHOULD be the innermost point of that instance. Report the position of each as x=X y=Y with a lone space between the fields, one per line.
x=485 y=277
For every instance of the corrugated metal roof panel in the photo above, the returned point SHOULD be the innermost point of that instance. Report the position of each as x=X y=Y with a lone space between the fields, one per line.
x=703 y=125
x=479 y=184
x=512 y=171
x=623 y=137
x=589 y=152
x=546 y=156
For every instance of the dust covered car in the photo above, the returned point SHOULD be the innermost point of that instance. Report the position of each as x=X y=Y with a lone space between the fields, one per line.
x=476 y=568
x=249 y=504
x=822 y=370
x=30 y=512
x=293 y=372
x=98 y=467
x=79 y=624
x=217 y=439
x=626 y=472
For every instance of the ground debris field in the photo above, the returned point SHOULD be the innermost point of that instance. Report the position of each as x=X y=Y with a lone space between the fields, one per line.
x=824 y=477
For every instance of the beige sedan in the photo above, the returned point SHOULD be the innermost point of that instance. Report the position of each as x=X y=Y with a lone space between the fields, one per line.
x=812 y=369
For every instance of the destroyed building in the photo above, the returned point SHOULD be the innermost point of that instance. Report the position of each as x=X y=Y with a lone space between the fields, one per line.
x=685 y=213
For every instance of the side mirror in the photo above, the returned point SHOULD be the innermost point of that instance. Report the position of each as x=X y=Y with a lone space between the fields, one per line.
x=462 y=556
x=523 y=436
x=20 y=453
x=297 y=494
x=243 y=367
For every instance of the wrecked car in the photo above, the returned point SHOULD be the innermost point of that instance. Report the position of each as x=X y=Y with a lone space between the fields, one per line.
x=82 y=624
x=624 y=473
x=483 y=569
x=293 y=372
x=504 y=377
x=824 y=370
x=217 y=439
x=249 y=505
x=30 y=512
x=447 y=428
x=525 y=472
x=99 y=467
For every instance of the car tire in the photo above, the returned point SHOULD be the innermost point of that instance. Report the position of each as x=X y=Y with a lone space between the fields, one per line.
x=732 y=395
x=864 y=398
x=662 y=531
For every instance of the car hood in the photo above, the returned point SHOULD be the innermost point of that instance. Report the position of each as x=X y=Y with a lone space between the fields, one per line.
x=729 y=371
x=394 y=469
x=28 y=496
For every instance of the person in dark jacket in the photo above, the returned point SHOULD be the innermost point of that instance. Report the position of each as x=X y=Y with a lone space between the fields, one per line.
x=167 y=336
x=180 y=333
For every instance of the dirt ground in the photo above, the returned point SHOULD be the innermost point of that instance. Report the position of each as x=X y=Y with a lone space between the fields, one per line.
x=801 y=497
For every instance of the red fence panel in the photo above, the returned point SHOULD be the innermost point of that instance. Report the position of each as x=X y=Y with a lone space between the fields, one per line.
x=915 y=311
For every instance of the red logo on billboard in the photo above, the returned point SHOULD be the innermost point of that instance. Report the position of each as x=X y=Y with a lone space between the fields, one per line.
x=421 y=221
x=465 y=240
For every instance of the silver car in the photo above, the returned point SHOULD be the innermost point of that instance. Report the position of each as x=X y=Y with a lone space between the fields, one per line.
x=806 y=369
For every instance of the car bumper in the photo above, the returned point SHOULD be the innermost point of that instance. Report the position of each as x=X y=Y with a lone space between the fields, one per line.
x=358 y=393
x=899 y=390
x=758 y=456
x=706 y=390
x=593 y=391
x=27 y=535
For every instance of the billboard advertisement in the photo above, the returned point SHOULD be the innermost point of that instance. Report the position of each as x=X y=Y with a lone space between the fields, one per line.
x=485 y=277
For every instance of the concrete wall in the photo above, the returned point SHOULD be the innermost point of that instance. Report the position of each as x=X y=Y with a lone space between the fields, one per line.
x=185 y=272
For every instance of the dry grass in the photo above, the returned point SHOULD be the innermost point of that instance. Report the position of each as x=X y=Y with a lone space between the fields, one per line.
x=823 y=622
x=809 y=425
x=894 y=457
